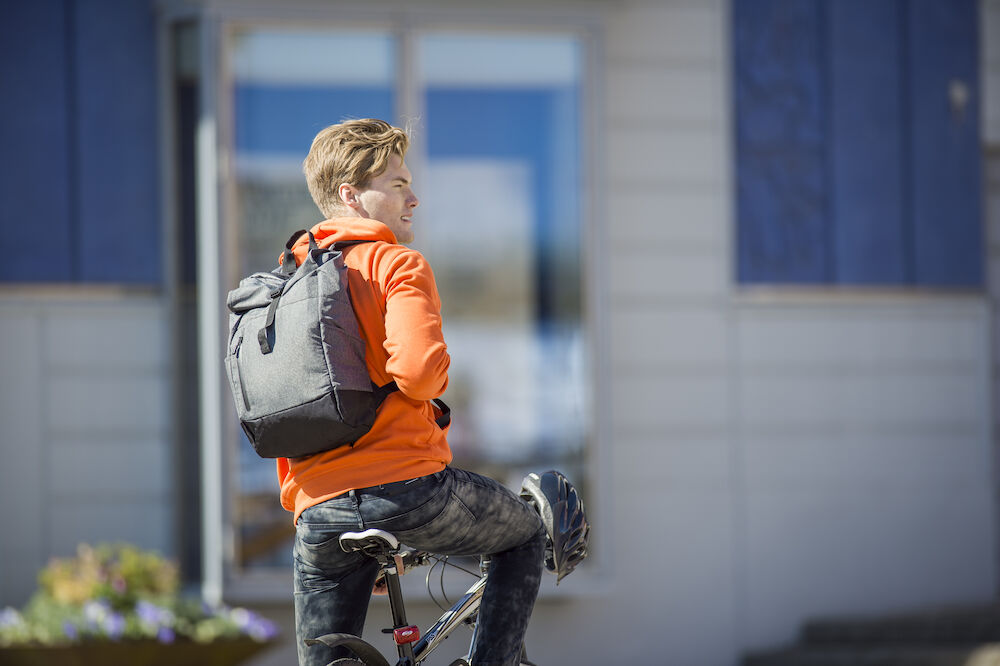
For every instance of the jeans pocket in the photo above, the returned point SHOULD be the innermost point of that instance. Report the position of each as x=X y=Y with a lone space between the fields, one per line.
x=444 y=533
x=317 y=546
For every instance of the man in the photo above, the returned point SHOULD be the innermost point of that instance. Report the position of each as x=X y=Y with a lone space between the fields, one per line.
x=396 y=476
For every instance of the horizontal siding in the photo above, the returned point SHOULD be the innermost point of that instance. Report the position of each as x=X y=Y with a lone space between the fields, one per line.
x=669 y=34
x=684 y=97
x=644 y=274
x=878 y=331
x=668 y=285
x=23 y=474
x=837 y=446
x=647 y=156
x=101 y=403
x=144 y=520
x=861 y=551
x=676 y=219
x=87 y=436
x=657 y=339
x=864 y=431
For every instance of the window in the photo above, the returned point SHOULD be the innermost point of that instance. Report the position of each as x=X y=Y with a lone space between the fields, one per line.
x=857 y=133
x=496 y=127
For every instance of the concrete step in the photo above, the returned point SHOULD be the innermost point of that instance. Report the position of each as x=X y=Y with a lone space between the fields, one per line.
x=969 y=624
x=963 y=636
x=880 y=655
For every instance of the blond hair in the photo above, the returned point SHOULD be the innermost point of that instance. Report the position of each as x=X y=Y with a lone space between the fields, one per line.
x=353 y=152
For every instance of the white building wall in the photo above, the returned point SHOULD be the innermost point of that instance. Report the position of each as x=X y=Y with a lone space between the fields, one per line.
x=671 y=495
x=770 y=456
x=783 y=453
x=85 y=443
x=864 y=431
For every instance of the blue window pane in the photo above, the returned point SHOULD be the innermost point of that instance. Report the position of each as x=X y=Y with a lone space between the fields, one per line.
x=287 y=87
x=288 y=84
x=284 y=119
x=501 y=196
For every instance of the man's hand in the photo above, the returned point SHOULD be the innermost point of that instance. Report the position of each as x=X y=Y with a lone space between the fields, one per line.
x=381 y=588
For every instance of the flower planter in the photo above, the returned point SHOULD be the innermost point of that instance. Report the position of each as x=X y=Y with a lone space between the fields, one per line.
x=229 y=652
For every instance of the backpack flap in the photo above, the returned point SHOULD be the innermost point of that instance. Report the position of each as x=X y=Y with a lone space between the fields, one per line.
x=253 y=292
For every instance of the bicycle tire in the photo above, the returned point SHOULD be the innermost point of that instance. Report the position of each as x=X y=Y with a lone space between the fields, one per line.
x=346 y=661
x=366 y=654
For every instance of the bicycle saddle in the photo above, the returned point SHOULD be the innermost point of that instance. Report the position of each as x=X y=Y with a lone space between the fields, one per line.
x=369 y=542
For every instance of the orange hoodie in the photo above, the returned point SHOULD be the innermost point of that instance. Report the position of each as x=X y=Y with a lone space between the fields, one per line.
x=398 y=308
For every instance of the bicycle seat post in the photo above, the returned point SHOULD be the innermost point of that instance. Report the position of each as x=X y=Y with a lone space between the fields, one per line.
x=384 y=548
x=398 y=612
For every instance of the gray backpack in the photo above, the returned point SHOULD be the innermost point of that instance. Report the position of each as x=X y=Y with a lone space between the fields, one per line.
x=295 y=359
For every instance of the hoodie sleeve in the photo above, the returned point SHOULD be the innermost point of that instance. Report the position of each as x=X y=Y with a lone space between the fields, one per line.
x=418 y=357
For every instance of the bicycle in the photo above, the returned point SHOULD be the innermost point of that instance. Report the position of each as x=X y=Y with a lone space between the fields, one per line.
x=568 y=531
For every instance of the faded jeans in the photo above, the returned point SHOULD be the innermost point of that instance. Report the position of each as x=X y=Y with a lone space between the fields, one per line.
x=453 y=512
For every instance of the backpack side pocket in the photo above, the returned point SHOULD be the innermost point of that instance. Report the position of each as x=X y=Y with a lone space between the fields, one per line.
x=233 y=369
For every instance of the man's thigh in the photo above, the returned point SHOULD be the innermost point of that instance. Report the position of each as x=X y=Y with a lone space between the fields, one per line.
x=461 y=513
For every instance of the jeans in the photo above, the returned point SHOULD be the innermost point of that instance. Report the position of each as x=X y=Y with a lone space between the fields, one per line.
x=453 y=512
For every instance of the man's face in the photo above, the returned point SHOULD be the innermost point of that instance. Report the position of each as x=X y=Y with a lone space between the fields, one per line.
x=389 y=199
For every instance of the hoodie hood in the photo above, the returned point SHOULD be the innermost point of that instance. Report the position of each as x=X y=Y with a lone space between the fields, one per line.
x=339 y=229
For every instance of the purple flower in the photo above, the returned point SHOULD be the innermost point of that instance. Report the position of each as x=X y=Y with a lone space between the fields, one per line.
x=95 y=612
x=148 y=613
x=69 y=630
x=114 y=625
x=9 y=617
x=241 y=616
x=262 y=629
x=255 y=626
x=165 y=635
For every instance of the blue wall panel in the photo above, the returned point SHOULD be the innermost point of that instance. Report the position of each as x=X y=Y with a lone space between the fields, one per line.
x=866 y=145
x=854 y=165
x=117 y=129
x=36 y=160
x=781 y=141
x=946 y=176
x=78 y=134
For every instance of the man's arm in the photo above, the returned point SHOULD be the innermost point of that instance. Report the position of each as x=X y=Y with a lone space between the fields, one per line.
x=418 y=356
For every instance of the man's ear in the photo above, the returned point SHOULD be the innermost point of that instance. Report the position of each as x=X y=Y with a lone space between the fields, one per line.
x=348 y=195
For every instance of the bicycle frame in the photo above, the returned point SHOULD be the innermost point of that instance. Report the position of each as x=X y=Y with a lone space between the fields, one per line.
x=461 y=611
x=412 y=647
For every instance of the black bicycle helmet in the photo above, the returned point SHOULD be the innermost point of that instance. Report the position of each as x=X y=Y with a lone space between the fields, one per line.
x=561 y=510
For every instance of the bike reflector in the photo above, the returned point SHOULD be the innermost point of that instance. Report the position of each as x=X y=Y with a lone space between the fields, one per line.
x=410 y=634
